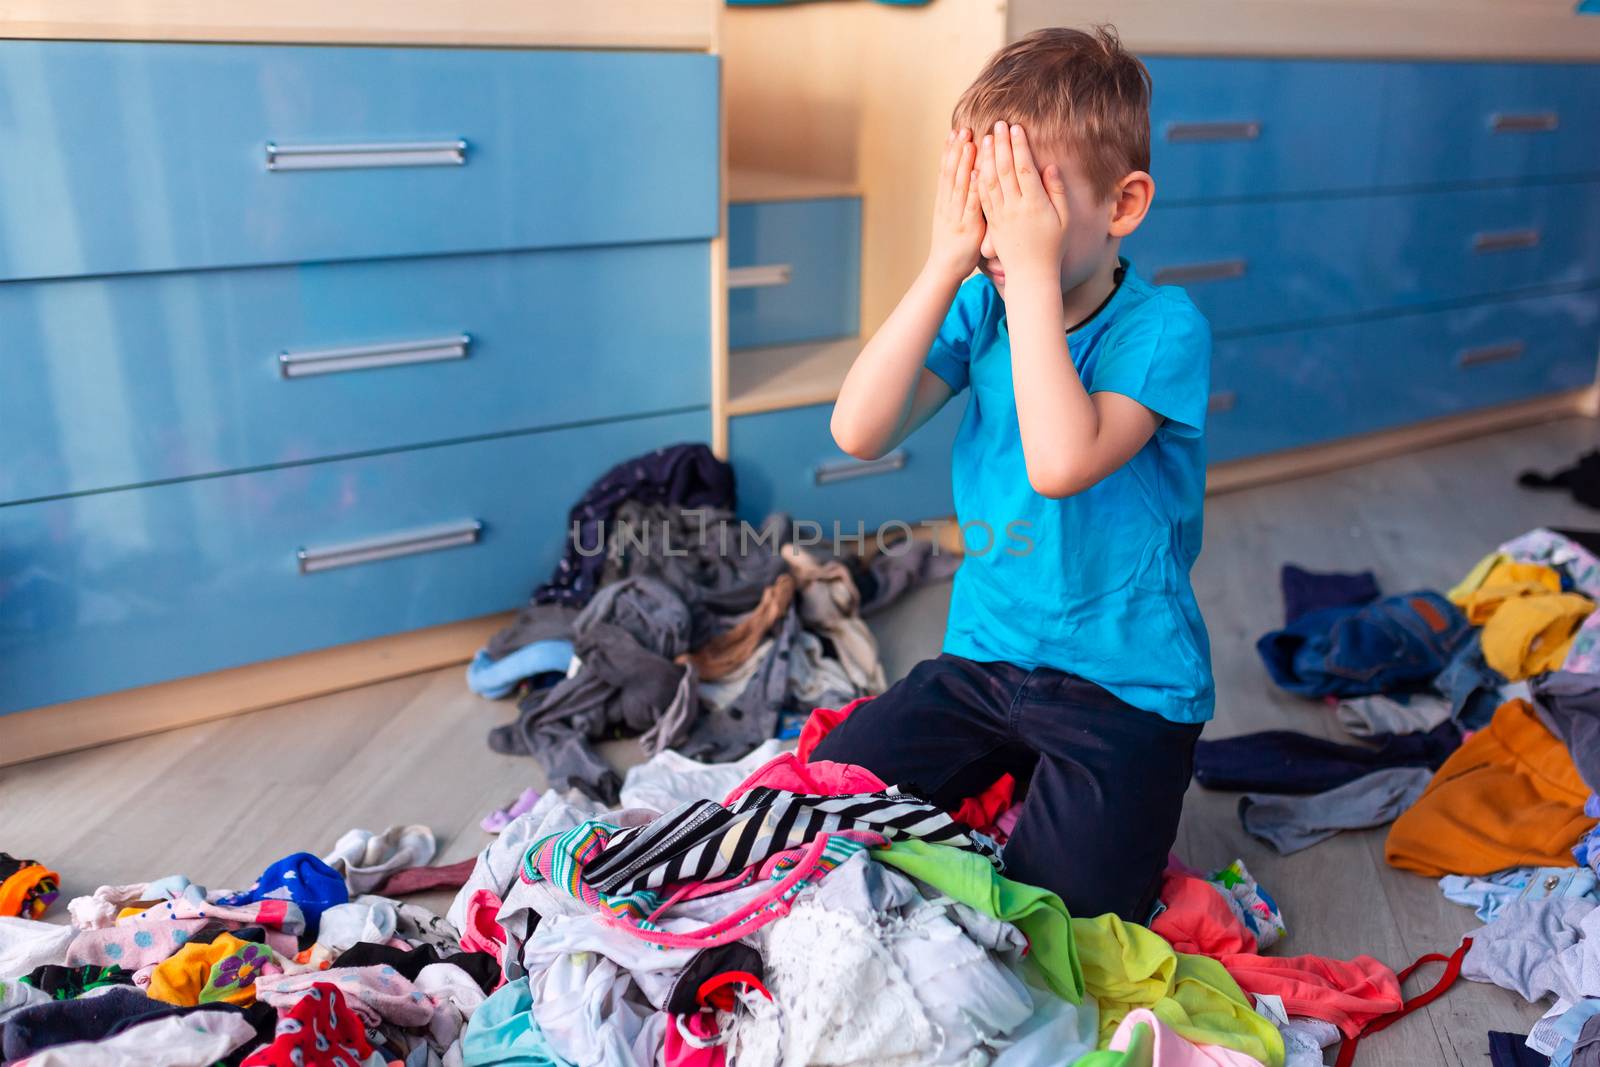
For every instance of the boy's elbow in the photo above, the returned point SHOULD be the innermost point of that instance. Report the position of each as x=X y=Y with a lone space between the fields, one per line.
x=851 y=441
x=1059 y=481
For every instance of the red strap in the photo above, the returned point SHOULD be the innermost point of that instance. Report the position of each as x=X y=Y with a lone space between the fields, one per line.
x=1452 y=971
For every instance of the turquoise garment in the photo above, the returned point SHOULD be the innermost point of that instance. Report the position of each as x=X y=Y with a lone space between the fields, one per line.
x=502 y=1033
x=1104 y=591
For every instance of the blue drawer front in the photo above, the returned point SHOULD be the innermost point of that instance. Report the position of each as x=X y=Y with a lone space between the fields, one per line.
x=122 y=380
x=142 y=157
x=777 y=458
x=1283 y=262
x=113 y=590
x=1303 y=387
x=1225 y=128
x=1314 y=126
x=819 y=241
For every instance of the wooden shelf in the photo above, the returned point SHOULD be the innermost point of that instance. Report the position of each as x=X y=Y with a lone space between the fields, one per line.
x=788 y=376
x=669 y=24
x=1501 y=30
x=752 y=185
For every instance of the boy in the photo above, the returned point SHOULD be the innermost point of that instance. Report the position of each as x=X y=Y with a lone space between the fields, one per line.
x=1075 y=654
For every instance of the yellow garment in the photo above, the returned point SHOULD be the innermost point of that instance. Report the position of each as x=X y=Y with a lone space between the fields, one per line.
x=1505 y=583
x=1533 y=634
x=128 y=913
x=182 y=978
x=1127 y=967
x=1480 y=570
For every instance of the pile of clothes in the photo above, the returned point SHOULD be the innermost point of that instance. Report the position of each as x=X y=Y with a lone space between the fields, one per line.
x=1474 y=718
x=768 y=911
x=774 y=911
x=320 y=962
x=670 y=620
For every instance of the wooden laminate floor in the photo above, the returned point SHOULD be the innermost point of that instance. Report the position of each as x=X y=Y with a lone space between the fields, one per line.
x=219 y=801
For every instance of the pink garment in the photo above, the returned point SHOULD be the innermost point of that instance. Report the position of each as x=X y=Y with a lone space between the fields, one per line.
x=282 y=915
x=378 y=994
x=483 y=932
x=1347 y=993
x=1170 y=1049
x=140 y=944
x=703 y=1046
x=791 y=774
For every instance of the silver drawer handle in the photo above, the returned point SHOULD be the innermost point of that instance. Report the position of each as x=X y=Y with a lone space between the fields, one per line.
x=1505 y=240
x=1192 y=273
x=390 y=546
x=1526 y=122
x=1224 y=400
x=1475 y=357
x=1179 y=132
x=845 y=469
x=341 y=156
x=761 y=277
x=366 y=357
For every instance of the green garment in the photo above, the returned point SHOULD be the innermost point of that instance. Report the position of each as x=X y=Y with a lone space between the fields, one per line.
x=1126 y=967
x=1140 y=1052
x=969 y=878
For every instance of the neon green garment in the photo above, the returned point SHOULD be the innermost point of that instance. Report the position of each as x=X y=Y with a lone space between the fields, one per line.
x=1139 y=1053
x=1127 y=967
x=969 y=878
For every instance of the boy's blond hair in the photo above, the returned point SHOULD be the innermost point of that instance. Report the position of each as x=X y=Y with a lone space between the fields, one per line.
x=1081 y=91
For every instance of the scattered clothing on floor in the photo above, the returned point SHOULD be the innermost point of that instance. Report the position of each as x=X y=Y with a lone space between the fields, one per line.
x=1510 y=796
x=496 y=678
x=1569 y=704
x=64 y=983
x=1254 y=907
x=302 y=879
x=1380 y=714
x=1582 y=479
x=27 y=887
x=365 y=859
x=1282 y=761
x=1525 y=949
x=1388 y=645
x=1292 y=823
x=1573 y=554
x=318 y=1030
x=1305 y=592
x=1587 y=850
x=686 y=475
x=899 y=568
x=670 y=779
x=1488 y=894
x=1347 y=993
x=409 y=880
x=1473 y=688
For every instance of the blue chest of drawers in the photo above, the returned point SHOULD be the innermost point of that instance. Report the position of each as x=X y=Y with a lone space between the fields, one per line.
x=306 y=345
x=1376 y=242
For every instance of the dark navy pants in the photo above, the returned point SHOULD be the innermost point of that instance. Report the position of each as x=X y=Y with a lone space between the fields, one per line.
x=1107 y=779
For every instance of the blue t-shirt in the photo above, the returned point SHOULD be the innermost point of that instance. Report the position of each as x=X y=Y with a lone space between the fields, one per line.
x=1096 y=584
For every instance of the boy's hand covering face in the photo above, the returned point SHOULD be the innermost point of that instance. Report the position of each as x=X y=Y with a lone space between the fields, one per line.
x=1026 y=211
x=957 y=219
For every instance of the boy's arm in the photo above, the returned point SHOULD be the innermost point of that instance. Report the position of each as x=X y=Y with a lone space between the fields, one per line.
x=1070 y=439
x=888 y=392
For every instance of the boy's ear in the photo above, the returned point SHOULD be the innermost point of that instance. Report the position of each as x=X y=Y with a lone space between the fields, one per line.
x=1130 y=202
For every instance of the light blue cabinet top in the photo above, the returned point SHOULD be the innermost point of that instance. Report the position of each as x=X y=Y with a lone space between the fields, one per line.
x=150 y=157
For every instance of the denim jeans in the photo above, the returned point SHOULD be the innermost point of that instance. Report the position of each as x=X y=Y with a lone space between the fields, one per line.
x=1397 y=643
